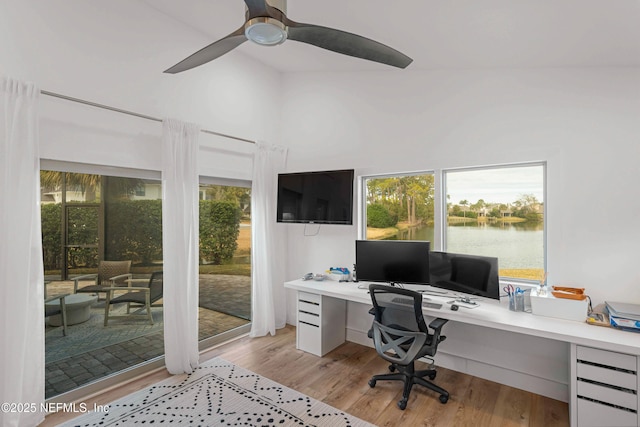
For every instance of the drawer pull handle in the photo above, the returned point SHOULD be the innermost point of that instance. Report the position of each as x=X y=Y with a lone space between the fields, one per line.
x=608 y=404
x=310 y=324
x=309 y=313
x=600 y=365
x=309 y=302
x=615 y=387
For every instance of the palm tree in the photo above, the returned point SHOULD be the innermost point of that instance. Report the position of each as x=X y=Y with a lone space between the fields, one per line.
x=464 y=203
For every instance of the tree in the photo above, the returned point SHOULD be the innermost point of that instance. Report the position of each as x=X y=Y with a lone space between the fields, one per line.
x=409 y=197
x=464 y=203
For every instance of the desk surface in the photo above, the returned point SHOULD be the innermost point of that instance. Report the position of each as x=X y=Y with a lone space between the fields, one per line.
x=496 y=315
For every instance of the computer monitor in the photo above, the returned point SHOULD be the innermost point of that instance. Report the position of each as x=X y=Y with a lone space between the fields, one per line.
x=469 y=274
x=393 y=261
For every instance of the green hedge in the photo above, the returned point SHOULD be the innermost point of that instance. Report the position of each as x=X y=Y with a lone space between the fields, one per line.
x=219 y=230
x=379 y=217
x=133 y=230
x=51 y=236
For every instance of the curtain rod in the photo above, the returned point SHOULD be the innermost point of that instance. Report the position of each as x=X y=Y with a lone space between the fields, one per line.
x=131 y=113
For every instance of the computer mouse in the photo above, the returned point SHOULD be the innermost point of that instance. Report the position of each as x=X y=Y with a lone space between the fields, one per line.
x=454 y=307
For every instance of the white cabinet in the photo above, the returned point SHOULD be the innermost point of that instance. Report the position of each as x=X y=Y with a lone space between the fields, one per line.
x=321 y=323
x=605 y=388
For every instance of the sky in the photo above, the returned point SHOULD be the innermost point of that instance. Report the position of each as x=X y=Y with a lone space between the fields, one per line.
x=501 y=185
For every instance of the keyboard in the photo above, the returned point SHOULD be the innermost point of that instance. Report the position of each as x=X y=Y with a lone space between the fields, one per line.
x=409 y=301
x=399 y=300
x=434 y=305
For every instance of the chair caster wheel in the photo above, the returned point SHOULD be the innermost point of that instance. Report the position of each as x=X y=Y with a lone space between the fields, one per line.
x=372 y=383
x=444 y=398
x=432 y=376
x=392 y=368
x=402 y=404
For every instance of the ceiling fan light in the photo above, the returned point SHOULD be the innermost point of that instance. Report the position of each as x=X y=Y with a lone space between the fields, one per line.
x=265 y=31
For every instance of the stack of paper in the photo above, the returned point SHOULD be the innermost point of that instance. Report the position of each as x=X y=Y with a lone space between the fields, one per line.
x=624 y=315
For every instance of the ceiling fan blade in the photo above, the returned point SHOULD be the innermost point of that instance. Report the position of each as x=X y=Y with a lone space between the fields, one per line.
x=346 y=43
x=211 y=52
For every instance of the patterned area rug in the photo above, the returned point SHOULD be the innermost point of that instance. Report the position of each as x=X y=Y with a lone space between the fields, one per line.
x=218 y=393
x=92 y=334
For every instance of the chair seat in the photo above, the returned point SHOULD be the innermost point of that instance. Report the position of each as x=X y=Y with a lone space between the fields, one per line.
x=138 y=297
x=93 y=289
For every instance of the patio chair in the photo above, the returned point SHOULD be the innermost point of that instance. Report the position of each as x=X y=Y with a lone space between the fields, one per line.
x=54 y=309
x=110 y=274
x=141 y=296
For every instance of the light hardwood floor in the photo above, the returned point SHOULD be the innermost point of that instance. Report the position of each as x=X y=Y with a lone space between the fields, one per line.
x=340 y=379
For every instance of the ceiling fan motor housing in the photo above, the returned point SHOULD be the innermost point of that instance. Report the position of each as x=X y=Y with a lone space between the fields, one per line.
x=267 y=30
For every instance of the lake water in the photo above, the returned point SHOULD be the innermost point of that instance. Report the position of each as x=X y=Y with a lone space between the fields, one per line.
x=516 y=245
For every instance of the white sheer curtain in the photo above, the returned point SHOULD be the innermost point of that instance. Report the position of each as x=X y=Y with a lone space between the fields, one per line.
x=180 y=218
x=269 y=310
x=21 y=269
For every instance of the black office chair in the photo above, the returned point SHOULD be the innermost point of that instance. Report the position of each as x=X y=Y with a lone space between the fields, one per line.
x=401 y=336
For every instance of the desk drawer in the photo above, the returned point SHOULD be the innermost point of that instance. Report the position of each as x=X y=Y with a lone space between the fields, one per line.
x=311 y=319
x=305 y=307
x=607 y=376
x=608 y=395
x=309 y=338
x=310 y=298
x=592 y=414
x=607 y=358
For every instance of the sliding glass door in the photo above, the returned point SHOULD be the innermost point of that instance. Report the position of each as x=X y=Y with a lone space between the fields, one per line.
x=88 y=220
x=225 y=262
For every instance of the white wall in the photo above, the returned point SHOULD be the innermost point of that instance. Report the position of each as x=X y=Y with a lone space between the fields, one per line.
x=114 y=53
x=583 y=122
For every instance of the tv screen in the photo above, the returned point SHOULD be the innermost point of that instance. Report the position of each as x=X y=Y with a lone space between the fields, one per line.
x=392 y=261
x=470 y=274
x=316 y=197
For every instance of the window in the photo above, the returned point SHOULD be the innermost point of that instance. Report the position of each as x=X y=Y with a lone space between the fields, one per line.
x=493 y=211
x=499 y=212
x=399 y=207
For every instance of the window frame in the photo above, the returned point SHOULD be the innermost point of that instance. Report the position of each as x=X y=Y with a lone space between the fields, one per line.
x=440 y=204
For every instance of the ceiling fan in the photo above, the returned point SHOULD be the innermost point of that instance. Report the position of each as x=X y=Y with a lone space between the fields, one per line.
x=267 y=24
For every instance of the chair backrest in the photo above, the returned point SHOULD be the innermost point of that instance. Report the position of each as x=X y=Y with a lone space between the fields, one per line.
x=398 y=308
x=108 y=269
x=155 y=284
x=470 y=272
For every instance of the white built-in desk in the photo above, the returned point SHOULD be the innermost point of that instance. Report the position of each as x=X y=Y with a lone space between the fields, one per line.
x=602 y=362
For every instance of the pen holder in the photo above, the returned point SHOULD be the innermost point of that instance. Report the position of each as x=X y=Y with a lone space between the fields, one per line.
x=512 y=302
x=519 y=297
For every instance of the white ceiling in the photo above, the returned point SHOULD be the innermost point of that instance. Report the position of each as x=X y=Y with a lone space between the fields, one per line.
x=439 y=34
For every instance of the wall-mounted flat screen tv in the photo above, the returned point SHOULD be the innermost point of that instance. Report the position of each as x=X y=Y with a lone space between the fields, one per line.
x=324 y=197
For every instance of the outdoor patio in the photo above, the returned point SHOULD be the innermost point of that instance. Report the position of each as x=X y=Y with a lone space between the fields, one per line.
x=91 y=351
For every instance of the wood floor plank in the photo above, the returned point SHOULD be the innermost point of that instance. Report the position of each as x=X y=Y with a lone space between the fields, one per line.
x=341 y=377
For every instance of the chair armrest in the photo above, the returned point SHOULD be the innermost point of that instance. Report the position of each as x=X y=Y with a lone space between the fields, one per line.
x=114 y=279
x=132 y=281
x=437 y=324
x=60 y=297
x=77 y=279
